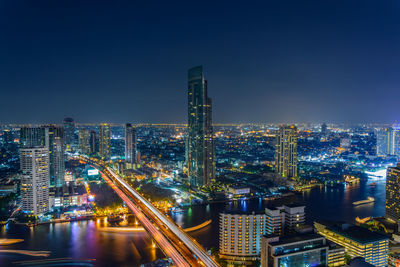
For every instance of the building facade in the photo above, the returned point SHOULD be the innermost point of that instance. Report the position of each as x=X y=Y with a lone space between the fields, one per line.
x=295 y=217
x=34 y=164
x=105 y=141
x=54 y=141
x=240 y=236
x=69 y=132
x=51 y=137
x=285 y=219
x=32 y=137
x=130 y=144
x=84 y=141
x=357 y=241
x=93 y=143
x=295 y=250
x=387 y=142
x=200 y=141
x=286 y=151
x=392 y=200
x=274 y=221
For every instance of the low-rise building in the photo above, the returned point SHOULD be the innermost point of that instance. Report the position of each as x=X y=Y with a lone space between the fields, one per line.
x=357 y=241
x=294 y=250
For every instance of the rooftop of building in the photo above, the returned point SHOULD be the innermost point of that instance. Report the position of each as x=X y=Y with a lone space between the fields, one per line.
x=290 y=205
x=356 y=233
x=289 y=239
x=295 y=205
x=238 y=212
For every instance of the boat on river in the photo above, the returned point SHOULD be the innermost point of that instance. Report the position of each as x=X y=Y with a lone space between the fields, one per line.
x=365 y=201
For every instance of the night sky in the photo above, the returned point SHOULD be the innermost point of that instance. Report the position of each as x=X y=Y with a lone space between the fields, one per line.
x=265 y=61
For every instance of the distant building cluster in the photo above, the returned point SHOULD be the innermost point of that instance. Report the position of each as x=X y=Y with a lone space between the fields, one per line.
x=388 y=142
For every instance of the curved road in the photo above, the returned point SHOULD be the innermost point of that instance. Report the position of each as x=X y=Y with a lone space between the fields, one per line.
x=172 y=239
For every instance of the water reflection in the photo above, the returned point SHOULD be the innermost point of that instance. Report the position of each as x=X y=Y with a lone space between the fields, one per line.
x=84 y=240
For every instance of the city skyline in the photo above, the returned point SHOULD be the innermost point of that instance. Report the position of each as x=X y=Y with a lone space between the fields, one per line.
x=279 y=147
x=320 y=67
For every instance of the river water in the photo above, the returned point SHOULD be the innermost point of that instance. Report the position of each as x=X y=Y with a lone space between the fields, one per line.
x=87 y=239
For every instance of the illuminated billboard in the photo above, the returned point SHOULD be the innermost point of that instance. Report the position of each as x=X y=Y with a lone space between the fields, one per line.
x=92 y=172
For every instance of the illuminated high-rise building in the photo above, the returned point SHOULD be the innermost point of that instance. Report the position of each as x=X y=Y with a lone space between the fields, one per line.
x=392 y=203
x=84 y=141
x=200 y=142
x=51 y=137
x=69 y=132
x=130 y=143
x=286 y=151
x=34 y=164
x=32 y=137
x=387 y=142
x=93 y=143
x=105 y=141
x=54 y=141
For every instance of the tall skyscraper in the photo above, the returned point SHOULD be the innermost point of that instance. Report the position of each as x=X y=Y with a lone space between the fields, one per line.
x=93 y=143
x=392 y=205
x=31 y=137
x=34 y=164
x=200 y=143
x=387 y=142
x=54 y=141
x=84 y=141
x=69 y=132
x=105 y=141
x=130 y=144
x=51 y=137
x=286 y=151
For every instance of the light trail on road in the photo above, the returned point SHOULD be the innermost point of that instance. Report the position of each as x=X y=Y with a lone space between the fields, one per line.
x=195 y=247
x=169 y=236
x=168 y=248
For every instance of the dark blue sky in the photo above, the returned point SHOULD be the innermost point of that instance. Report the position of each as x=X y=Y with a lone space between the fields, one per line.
x=265 y=61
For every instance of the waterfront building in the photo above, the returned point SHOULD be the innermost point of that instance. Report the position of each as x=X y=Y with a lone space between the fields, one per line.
x=295 y=250
x=286 y=151
x=67 y=196
x=54 y=141
x=105 y=141
x=52 y=137
x=336 y=255
x=274 y=220
x=240 y=236
x=34 y=164
x=285 y=219
x=200 y=141
x=130 y=144
x=31 y=137
x=84 y=141
x=69 y=132
x=357 y=241
x=93 y=143
x=295 y=217
x=392 y=203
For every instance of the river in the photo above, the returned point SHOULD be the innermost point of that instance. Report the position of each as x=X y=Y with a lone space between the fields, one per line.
x=87 y=239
